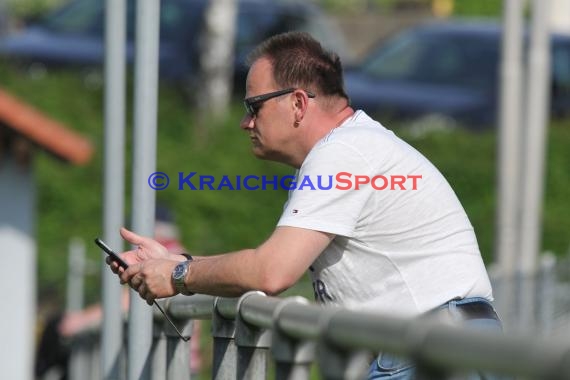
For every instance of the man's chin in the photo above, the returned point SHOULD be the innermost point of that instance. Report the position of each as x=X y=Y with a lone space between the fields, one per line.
x=261 y=153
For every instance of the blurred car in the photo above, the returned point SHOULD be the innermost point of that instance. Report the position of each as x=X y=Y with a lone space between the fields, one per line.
x=445 y=74
x=73 y=34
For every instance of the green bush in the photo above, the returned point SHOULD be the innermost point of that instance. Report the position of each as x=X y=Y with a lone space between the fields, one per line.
x=479 y=8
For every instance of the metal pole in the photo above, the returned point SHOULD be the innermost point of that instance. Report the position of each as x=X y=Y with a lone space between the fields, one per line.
x=546 y=293
x=75 y=275
x=225 y=349
x=509 y=132
x=144 y=163
x=538 y=104
x=112 y=365
x=252 y=345
x=508 y=177
x=178 y=351
x=78 y=366
x=293 y=357
x=159 y=354
x=225 y=359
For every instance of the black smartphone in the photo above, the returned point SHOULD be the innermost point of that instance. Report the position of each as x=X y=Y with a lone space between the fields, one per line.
x=111 y=253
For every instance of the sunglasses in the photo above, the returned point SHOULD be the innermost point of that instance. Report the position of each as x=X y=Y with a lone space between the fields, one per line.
x=253 y=104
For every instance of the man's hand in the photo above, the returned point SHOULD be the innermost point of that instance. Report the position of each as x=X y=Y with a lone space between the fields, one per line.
x=147 y=248
x=151 y=278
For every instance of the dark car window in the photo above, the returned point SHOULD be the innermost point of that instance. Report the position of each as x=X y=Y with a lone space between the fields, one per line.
x=396 y=60
x=252 y=25
x=436 y=59
x=178 y=19
x=561 y=68
x=86 y=17
x=79 y=17
x=255 y=24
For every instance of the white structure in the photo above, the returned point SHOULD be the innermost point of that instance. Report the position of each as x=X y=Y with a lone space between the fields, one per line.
x=560 y=16
x=22 y=128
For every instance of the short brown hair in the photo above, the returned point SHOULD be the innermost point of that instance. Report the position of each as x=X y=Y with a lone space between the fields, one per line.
x=299 y=60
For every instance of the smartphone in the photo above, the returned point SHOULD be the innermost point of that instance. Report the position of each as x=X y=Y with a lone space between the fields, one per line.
x=111 y=253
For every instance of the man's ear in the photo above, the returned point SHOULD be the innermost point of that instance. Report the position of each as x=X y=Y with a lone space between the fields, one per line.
x=300 y=102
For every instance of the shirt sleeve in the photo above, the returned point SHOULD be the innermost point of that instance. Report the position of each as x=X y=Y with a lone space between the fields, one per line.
x=325 y=197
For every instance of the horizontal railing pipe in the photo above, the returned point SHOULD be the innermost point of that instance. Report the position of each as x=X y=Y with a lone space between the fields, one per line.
x=226 y=307
x=354 y=330
x=196 y=307
x=246 y=329
x=257 y=309
x=300 y=321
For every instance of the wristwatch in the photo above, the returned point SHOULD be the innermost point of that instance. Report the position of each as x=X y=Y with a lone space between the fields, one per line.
x=178 y=276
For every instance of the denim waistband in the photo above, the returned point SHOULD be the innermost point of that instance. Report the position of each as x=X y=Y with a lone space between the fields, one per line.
x=467 y=309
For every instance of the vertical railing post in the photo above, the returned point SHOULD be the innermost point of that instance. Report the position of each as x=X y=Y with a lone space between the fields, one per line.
x=82 y=362
x=178 y=351
x=507 y=225
x=144 y=164
x=113 y=364
x=527 y=293
x=75 y=275
x=158 y=350
x=546 y=297
x=225 y=350
x=252 y=347
x=338 y=364
x=334 y=362
x=293 y=357
x=95 y=357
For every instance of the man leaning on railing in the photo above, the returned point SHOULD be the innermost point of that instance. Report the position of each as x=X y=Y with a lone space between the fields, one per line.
x=396 y=248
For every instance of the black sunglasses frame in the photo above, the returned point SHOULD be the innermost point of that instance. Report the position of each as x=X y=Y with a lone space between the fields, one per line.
x=251 y=103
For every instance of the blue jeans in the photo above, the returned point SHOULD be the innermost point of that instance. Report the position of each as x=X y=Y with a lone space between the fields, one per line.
x=392 y=367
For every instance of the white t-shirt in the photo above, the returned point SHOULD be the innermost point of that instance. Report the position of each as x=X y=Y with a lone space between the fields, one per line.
x=403 y=244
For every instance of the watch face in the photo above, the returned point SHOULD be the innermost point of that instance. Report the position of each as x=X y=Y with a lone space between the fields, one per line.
x=178 y=271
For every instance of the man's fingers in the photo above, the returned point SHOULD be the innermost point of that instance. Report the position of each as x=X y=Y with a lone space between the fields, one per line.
x=132 y=237
x=149 y=297
x=128 y=273
x=146 y=294
x=113 y=265
x=136 y=282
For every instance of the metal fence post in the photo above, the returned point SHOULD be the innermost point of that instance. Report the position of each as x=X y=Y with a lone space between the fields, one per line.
x=144 y=162
x=293 y=357
x=527 y=293
x=95 y=357
x=75 y=275
x=158 y=350
x=546 y=293
x=225 y=350
x=81 y=362
x=113 y=363
x=170 y=354
x=178 y=351
x=339 y=364
x=252 y=346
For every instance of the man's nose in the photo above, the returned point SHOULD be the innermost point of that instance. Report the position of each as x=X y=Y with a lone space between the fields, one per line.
x=246 y=122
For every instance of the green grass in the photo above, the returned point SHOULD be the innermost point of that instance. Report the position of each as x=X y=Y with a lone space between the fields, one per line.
x=217 y=221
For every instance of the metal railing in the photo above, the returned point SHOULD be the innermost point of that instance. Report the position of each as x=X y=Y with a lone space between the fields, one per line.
x=250 y=331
